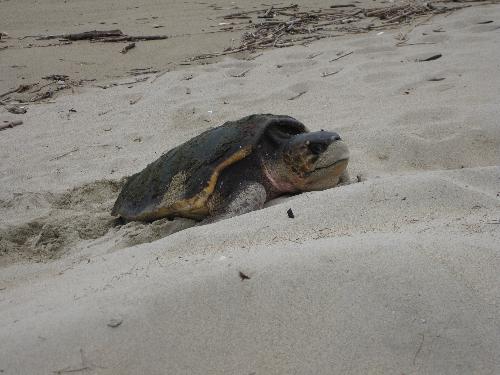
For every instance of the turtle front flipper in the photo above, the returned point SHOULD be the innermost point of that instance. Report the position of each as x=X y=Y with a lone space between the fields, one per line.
x=247 y=197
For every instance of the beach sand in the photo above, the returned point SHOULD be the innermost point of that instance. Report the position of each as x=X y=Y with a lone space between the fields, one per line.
x=397 y=274
x=193 y=28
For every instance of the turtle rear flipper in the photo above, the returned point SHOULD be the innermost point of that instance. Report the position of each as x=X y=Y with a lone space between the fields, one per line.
x=249 y=196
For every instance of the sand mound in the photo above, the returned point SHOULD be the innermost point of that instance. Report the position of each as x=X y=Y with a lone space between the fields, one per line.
x=79 y=214
x=75 y=217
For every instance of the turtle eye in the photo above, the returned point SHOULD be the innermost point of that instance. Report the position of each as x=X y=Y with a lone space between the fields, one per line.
x=317 y=147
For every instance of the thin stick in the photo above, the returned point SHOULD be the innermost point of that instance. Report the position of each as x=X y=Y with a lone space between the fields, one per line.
x=137 y=80
x=412 y=44
x=159 y=75
x=419 y=349
x=86 y=35
x=344 y=55
x=342 y=6
x=128 y=47
x=430 y=58
x=325 y=74
x=235 y=15
x=135 y=100
x=20 y=88
x=104 y=36
x=65 y=154
x=297 y=96
x=313 y=55
x=242 y=74
x=128 y=38
x=11 y=124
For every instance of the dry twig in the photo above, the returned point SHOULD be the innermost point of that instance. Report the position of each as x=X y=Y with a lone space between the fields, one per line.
x=128 y=47
x=343 y=55
x=103 y=36
x=325 y=74
x=239 y=75
x=297 y=96
x=11 y=124
x=291 y=25
x=65 y=154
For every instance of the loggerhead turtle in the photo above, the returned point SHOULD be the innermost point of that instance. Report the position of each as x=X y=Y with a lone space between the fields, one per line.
x=233 y=169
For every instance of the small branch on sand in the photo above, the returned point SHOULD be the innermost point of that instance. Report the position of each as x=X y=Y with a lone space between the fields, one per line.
x=342 y=6
x=104 y=36
x=210 y=55
x=137 y=80
x=56 y=77
x=418 y=349
x=20 y=88
x=239 y=75
x=159 y=75
x=297 y=96
x=341 y=56
x=266 y=11
x=128 y=47
x=11 y=124
x=41 y=96
x=142 y=71
x=325 y=74
x=494 y=221
x=313 y=55
x=71 y=370
x=65 y=154
x=86 y=35
x=413 y=44
x=128 y=38
x=135 y=100
x=285 y=26
x=430 y=58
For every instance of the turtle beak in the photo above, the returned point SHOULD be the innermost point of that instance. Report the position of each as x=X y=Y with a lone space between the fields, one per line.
x=317 y=159
x=335 y=152
x=308 y=152
x=320 y=142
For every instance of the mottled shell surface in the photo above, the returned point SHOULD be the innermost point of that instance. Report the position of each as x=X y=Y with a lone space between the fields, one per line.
x=181 y=180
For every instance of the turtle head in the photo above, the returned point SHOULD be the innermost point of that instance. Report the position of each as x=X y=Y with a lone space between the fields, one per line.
x=315 y=160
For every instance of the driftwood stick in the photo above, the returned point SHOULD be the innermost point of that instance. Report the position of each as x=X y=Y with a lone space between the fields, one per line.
x=313 y=55
x=339 y=57
x=326 y=74
x=20 y=88
x=342 y=6
x=11 y=124
x=430 y=58
x=239 y=14
x=65 y=154
x=210 y=55
x=128 y=38
x=159 y=75
x=94 y=34
x=397 y=18
x=104 y=36
x=297 y=96
x=86 y=35
x=239 y=75
x=128 y=47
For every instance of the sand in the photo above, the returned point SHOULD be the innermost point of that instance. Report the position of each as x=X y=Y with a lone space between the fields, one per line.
x=397 y=274
x=192 y=28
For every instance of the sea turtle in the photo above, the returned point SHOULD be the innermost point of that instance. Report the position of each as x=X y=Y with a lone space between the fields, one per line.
x=233 y=169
